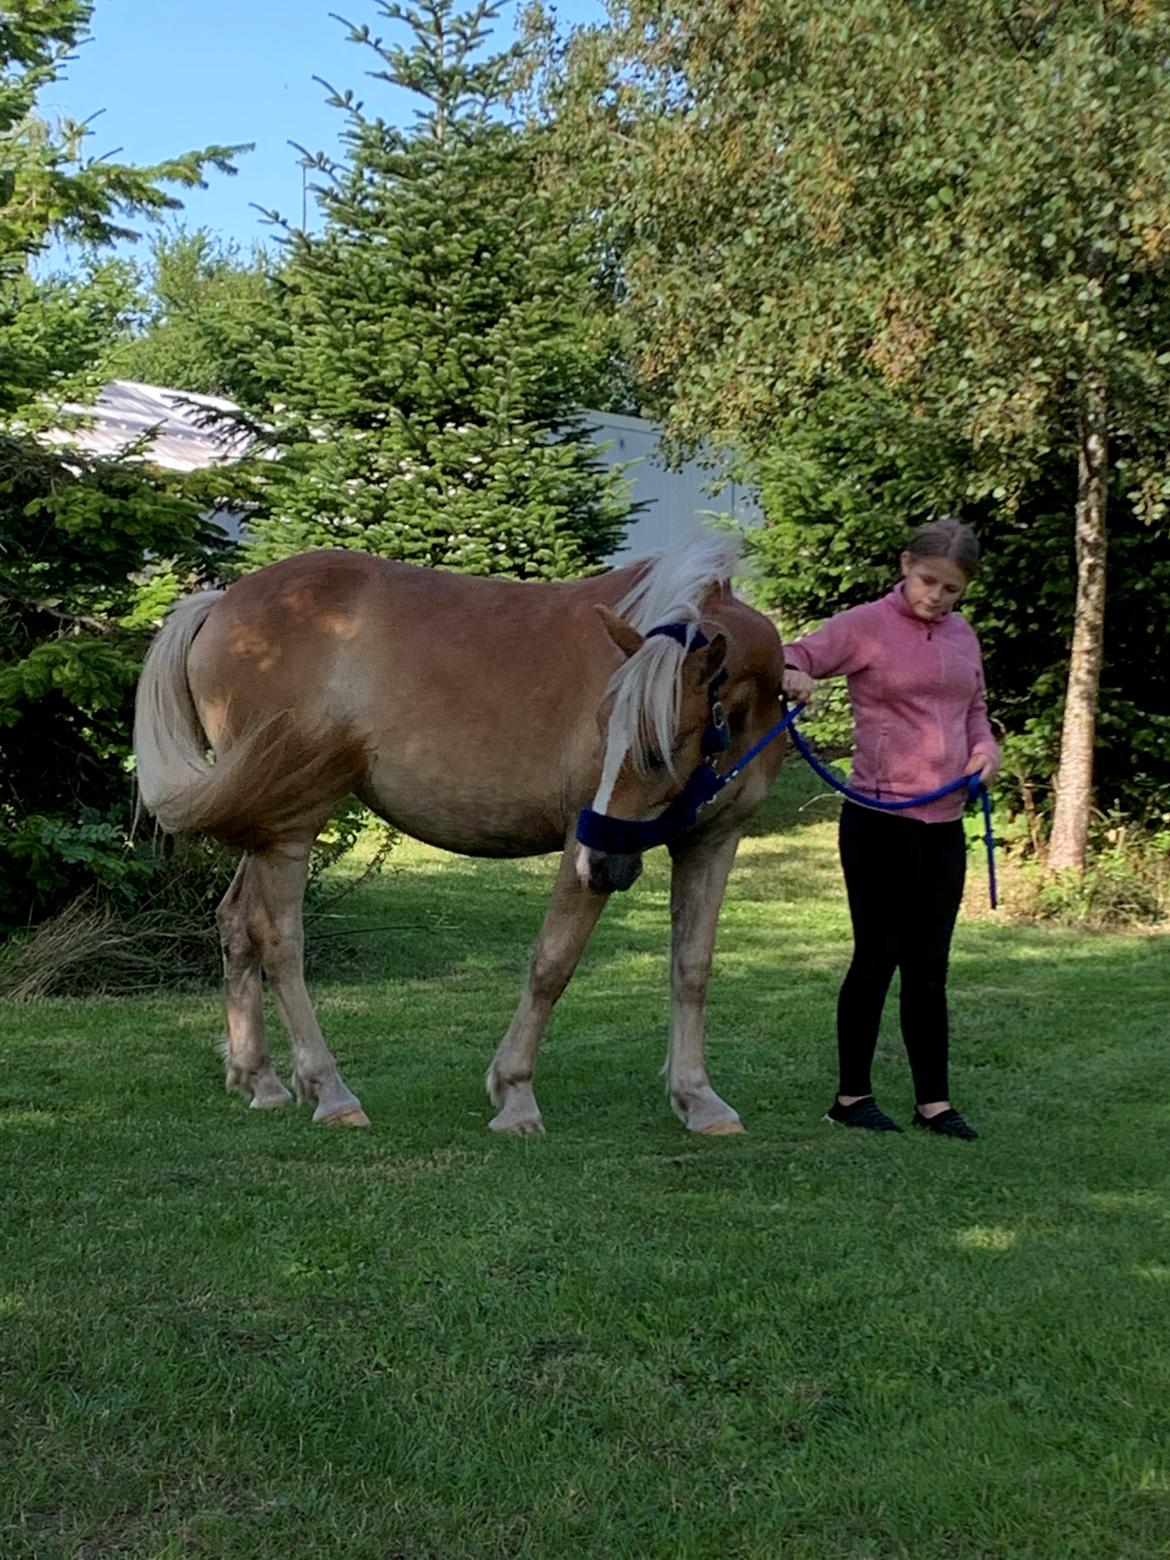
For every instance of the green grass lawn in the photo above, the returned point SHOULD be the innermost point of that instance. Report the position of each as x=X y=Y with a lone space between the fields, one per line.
x=225 y=1333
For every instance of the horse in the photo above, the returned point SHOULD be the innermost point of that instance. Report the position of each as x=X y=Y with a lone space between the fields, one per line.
x=478 y=714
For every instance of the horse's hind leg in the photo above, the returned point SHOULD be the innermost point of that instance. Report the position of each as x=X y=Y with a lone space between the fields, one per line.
x=280 y=875
x=698 y=878
x=249 y=1065
x=570 y=918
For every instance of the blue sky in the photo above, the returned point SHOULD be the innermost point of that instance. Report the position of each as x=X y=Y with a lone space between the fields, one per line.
x=172 y=75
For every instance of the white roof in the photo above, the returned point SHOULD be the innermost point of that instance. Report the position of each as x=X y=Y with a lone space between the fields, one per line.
x=184 y=431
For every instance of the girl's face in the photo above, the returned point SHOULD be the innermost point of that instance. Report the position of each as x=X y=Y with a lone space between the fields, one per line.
x=933 y=585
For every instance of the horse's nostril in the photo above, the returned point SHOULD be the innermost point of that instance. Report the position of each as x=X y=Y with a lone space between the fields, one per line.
x=613 y=874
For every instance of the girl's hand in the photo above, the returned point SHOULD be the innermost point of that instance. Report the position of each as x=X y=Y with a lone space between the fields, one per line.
x=798 y=686
x=983 y=765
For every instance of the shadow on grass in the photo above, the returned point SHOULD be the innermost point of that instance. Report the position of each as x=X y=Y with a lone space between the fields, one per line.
x=460 y=916
x=455 y=914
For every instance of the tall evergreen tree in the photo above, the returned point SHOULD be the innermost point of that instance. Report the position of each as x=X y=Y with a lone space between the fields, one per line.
x=431 y=357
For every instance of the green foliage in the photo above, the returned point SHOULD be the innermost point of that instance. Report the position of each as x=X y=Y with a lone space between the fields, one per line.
x=843 y=487
x=430 y=350
x=89 y=548
x=50 y=189
x=898 y=257
x=136 y=914
x=53 y=332
x=351 y=825
x=200 y=313
x=58 y=855
x=77 y=597
x=1126 y=882
x=969 y=203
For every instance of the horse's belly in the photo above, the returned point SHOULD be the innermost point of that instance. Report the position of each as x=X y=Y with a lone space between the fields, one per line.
x=459 y=817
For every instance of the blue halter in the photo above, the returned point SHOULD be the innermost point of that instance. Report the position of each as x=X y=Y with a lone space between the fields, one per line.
x=632 y=836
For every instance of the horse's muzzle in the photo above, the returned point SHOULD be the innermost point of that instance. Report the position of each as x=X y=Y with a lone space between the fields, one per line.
x=603 y=873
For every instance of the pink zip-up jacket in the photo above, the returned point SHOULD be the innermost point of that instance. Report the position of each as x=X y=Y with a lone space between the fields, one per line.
x=918 y=695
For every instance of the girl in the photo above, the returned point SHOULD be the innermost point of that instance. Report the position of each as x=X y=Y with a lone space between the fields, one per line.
x=915 y=681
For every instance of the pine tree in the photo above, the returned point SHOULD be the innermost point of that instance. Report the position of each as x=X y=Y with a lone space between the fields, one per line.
x=431 y=357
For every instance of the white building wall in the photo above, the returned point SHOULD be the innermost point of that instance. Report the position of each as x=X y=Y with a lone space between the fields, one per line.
x=182 y=434
x=677 y=502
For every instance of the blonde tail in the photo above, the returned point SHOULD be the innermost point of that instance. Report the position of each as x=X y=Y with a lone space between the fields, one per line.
x=170 y=745
x=305 y=773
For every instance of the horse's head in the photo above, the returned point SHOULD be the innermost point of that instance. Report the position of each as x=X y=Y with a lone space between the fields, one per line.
x=660 y=718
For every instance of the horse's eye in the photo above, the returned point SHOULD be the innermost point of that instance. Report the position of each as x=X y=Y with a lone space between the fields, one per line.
x=655 y=760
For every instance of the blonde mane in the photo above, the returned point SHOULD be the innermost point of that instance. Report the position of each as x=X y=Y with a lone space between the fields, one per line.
x=645 y=688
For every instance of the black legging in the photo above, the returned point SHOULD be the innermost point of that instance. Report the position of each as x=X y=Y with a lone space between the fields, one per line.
x=904 y=879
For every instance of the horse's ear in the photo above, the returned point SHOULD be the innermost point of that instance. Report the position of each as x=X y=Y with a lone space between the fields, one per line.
x=627 y=639
x=707 y=660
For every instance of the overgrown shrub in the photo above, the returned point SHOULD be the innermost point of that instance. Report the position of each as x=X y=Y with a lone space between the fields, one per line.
x=148 y=919
x=1126 y=881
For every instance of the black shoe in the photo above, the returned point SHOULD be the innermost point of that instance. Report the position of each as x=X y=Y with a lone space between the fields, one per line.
x=948 y=1123
x=862 y=1113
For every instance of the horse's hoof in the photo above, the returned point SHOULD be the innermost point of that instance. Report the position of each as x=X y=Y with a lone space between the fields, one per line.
x=722 y=1126
x=347 y=1116
x=701 y=1110
x=518 y=1126
x=268 y=1101
x=271 y=1097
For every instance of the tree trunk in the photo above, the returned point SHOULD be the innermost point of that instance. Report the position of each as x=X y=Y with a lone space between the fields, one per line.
x=1074 y=779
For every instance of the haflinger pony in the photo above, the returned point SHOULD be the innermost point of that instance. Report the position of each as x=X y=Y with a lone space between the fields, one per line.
x=478 y=714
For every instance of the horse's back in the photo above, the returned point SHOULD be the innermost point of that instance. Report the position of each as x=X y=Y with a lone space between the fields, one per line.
x=339 y=626
x=464 y=709
x=472 y=699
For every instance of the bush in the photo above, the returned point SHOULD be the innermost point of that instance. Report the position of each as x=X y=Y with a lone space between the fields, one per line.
x=148 y=920
x=1126 y=883
x=151 y=925
x=46 y=860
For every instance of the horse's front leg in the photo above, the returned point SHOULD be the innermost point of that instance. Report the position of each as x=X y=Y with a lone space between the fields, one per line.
x=568 y=922
x=698 y=879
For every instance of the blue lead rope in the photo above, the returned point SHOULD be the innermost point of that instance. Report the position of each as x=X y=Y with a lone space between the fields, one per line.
x=972 y=784
x=632 y=836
